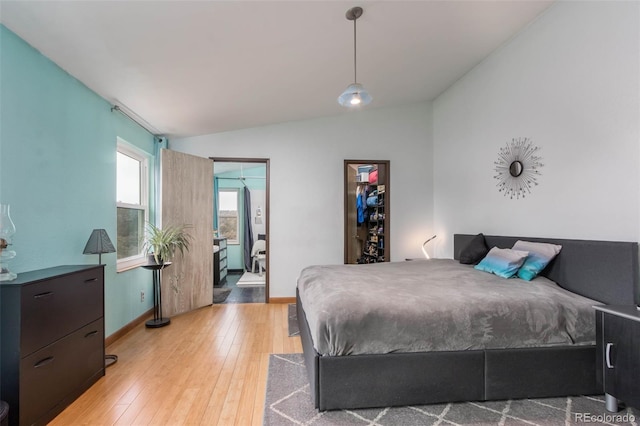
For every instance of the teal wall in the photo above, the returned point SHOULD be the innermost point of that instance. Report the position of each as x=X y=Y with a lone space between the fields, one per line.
x=235 y=252
x=58 y=171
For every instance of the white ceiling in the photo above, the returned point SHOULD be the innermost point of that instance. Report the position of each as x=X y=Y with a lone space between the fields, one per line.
x=197 y=67
x=246 y=169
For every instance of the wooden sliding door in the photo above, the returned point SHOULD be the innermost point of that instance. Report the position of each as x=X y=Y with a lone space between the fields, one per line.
x=187 y=198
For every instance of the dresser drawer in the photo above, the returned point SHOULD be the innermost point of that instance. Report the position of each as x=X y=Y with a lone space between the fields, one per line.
x=220 y=242
x=54 y=308
x=60 y=369
x=223 y=263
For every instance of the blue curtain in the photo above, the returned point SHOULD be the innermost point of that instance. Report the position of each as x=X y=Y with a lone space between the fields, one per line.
x=215 y=203
x=248 y=233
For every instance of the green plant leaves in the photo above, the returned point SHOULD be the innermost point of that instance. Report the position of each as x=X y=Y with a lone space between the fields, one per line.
x=164 y=243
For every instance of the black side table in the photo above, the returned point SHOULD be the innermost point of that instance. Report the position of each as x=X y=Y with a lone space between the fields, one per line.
x=618 y=355
x=157 y=320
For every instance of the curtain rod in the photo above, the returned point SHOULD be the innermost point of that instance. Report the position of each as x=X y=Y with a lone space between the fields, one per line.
x=241 y=178
x=148 y=128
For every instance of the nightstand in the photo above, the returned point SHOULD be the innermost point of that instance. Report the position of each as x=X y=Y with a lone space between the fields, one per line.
x=618 y=355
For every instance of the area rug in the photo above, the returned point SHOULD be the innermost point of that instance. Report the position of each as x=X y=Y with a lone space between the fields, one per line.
x=288 y=402
x=220 y=294
x=293 y=320
x=249 y=279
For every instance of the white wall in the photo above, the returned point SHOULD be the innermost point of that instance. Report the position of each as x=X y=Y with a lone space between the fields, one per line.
x=306 y=181
x=258 y=199
x=570 y=81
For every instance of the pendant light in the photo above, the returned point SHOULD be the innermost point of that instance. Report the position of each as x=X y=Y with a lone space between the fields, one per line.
x=355 y=94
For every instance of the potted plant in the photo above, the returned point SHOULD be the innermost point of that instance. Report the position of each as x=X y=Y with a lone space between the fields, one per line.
x=162 y=244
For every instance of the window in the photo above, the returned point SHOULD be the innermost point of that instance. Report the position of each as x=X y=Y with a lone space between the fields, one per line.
x=132 y=193
x=228 y=215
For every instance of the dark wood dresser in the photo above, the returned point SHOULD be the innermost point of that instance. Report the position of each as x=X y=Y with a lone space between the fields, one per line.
x=52 y=331
x=219 y=262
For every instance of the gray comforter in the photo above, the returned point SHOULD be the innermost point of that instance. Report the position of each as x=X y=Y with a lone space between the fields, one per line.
x=437 y=305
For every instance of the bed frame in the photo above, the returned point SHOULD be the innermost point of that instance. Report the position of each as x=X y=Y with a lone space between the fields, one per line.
x=601 y=270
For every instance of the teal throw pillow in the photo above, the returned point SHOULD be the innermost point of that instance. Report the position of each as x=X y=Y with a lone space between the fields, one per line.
x=540 y=254
x=502 y=262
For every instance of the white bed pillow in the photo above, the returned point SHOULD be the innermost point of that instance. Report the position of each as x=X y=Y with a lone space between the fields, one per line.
x=540 y=254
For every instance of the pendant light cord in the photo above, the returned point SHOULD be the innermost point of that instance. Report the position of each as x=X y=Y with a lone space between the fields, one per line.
x=355 y=47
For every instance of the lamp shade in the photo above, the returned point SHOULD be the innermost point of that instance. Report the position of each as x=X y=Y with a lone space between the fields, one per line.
x=99 y=242
x=354 y=95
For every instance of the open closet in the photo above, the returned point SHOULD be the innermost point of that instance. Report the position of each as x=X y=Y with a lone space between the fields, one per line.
x=367 y=207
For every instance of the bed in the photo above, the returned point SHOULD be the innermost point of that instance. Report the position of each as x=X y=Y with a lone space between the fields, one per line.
x=344 y=376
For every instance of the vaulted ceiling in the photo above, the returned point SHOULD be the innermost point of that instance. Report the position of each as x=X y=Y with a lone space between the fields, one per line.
x=197 y=67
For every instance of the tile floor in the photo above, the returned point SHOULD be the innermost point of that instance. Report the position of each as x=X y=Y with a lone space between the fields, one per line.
x=242 y=295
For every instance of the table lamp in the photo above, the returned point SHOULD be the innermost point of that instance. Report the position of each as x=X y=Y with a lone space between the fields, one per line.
x=424 y=245
x=99 y=243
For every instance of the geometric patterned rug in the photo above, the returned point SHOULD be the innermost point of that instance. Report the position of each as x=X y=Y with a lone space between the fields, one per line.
x=288 y=402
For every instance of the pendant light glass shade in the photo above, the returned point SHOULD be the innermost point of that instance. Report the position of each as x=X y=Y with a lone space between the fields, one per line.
x=354 y=95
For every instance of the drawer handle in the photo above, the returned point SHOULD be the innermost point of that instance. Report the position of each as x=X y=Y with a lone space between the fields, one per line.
x=91 y=333
x=90 y=280
x=43 y=362
x=43 y=295
x=607 y=354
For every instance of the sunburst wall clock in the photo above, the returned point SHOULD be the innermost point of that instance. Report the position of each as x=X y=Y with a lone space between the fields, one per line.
x=518 y=168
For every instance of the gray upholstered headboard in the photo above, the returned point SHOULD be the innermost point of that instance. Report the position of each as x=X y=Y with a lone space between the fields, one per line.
x=606 y=271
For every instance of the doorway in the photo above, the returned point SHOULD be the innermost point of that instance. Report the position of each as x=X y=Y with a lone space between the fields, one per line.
x=366 y=213
x=241 y=228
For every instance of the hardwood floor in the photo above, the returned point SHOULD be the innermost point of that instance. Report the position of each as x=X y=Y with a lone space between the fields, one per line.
x=208 y=367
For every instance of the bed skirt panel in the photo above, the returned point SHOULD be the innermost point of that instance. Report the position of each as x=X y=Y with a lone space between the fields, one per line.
x=309 y=352
x=541 y=372
x=400 y=379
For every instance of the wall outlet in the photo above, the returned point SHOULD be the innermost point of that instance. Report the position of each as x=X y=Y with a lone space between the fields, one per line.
x=142 y=296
